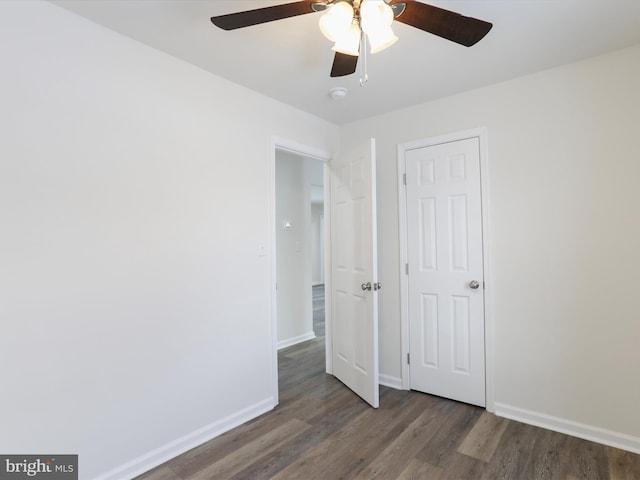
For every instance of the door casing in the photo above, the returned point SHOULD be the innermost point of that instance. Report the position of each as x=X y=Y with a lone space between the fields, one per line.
x=481 y=134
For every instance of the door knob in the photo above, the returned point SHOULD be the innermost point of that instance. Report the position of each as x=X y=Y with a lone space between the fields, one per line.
x=366 y=286
x=377 y=286
x=474 y=284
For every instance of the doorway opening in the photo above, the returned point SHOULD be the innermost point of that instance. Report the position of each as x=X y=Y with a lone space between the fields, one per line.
x=299 y=245
x=351 y=278
x=300 y=253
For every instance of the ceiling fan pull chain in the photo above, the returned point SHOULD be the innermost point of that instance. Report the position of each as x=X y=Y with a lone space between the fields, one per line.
x=363 y=68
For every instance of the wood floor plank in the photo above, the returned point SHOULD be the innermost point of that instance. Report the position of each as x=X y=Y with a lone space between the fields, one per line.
x=301 y=408
x=483 y=439
x=227 y=466
x=332 y=454
x=459 y=419
x=161 y=473
x=340 y=409
x=545 y=461
x=301 y=370
x=418 y=470
x=279 y=459
x=352 y=448
x=321 y=386
x=623 y=465
x=399 y=452
x=302 y=352
x=512 y=454
x=459 y=466
x=585 y=460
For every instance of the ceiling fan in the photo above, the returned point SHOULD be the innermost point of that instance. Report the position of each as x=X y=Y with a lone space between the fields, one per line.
x=351 y=24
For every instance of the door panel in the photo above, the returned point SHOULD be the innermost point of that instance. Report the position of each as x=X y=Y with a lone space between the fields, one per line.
x=354 y=311
x=446 y=315
x=429 y=330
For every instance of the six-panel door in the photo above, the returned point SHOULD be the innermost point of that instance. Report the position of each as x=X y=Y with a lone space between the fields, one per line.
x=444 y=240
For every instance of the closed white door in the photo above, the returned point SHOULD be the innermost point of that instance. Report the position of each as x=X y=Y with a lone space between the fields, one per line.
x=354 y=292
x=445 y=270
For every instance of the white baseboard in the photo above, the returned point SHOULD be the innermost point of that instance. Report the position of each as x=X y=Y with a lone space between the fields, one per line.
x=160 y=455
x=389 y=381
x=295 y=340
x=569 y=427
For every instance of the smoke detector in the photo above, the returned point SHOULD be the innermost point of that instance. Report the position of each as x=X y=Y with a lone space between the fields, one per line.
x=338 y=93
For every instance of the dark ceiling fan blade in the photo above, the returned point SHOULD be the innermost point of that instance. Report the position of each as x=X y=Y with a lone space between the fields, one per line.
x=343 y=64
x=248 y=18
x=450 y=25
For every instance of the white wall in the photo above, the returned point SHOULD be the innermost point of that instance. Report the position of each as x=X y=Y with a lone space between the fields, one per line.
x=293 y=249
x=134 y=191
x=564 y=164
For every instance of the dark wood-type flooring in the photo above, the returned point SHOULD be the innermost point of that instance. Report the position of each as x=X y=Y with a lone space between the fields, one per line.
x=321 y=430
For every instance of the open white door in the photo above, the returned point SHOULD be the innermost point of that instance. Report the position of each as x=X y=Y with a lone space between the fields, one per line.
x=354 y=283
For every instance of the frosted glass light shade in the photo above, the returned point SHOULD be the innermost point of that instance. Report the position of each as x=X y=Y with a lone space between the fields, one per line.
x=376 y=18
x=375 y=14
x=337 y=21
x=349 y=43
x=381 y=39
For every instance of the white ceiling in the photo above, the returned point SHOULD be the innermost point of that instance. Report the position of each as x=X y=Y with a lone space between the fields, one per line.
x=290 y=59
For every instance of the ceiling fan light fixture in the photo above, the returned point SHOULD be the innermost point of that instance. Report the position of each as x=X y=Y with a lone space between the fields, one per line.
x=376 y=17
x=337 y=21
x=349 y=42
x=381 y=39
x=351 y=24
x=375 y=13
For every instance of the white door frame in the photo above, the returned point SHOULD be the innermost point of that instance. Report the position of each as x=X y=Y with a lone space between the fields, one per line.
x=481 y=134
x=283 y=144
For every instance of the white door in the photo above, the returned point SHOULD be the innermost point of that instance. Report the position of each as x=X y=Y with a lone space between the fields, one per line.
x=445 y=270
x=354 y=287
